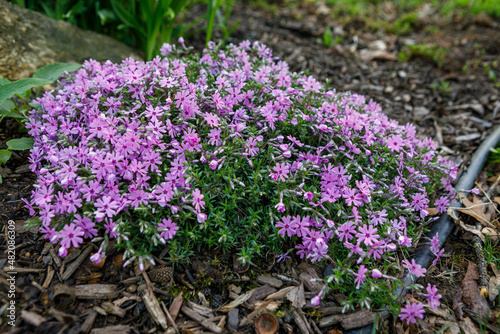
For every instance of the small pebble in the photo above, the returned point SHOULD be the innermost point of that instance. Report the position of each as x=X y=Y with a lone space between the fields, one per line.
x=232 y=318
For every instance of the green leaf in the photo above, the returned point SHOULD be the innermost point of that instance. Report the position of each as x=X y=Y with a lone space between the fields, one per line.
x=20 y=87
x=20 y=144
x=54 y=71
x=126 y=17
x=3 y=81
x=4 y=156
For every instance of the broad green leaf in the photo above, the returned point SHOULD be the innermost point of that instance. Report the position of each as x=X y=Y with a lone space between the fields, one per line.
x=3 y=81
x=4 y=156
x=20 y=144
x=20 y=87
x=54 y=71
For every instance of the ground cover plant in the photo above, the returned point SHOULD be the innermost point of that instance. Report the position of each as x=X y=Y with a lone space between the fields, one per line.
x=231 y=150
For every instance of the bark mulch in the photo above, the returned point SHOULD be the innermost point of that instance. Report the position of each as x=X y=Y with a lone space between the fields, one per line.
x=454 y=100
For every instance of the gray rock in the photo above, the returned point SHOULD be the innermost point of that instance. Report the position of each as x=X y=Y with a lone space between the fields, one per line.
x=30 y=40
x=232 y=318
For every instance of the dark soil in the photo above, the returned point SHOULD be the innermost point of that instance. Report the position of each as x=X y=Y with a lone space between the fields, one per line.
x=456 y=104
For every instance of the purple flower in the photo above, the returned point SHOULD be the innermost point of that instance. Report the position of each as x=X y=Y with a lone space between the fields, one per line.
x=360 y=276
x=412 y=311
x=367 y=235
x=169 y=227
x=71 y=235
x=198 y=200
x=432 y=296
x=414 y=268
x=282 y=171
x=288 y=226
x=316 y=299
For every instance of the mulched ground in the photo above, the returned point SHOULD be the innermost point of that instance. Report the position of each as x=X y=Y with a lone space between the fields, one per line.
x=455 y=104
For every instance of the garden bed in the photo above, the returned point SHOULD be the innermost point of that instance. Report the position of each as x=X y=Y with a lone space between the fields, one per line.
x=451 y=104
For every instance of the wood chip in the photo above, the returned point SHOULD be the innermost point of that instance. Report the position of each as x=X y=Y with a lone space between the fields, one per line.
x=154 y=308
x=55 y=257
x=330 y=320
x=254 y=314
x=50 y=276
x=238 y=301
x=280 y=294
x=118 y=329
x=32 y=318
x=357 y=319
x=78 y=262
x=113 y=309
x=301 y=322
x=89 y=322
x=200 y=309
x=260 y=293
x=201 y=320
x=96 y=291
x=176 y=306
x=310 y=274
x=269 y=280
x=170 y=320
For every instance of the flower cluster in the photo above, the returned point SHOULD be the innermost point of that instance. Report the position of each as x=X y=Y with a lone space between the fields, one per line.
x=229 y=149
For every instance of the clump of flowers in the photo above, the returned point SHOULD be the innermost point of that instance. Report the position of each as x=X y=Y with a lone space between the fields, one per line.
x=232 y=150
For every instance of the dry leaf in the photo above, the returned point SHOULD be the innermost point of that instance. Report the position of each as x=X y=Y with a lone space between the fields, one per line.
x=472 y=230
x=238 y=301
x=280 y=294
x=475 y=209
x=296 y=296
x=491 y=233
x=432 y=211
x=471 y=295
x=497 y=199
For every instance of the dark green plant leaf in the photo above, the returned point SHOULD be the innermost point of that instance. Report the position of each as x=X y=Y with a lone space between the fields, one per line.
x=4 y=156
x=20 y=87
x=3 y=81
x=126 y=17
x=54 y=71
x=20 y=144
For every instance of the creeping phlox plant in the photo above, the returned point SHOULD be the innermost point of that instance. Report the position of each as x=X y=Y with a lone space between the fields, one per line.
x=230 y=149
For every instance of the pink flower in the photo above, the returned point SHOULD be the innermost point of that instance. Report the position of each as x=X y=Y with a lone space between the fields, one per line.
x=280 y=207
x=282 y=171
x=410 y=311
x=201 y=217
x=288 y=226
x=198 y=200
x=367 y=235
x=414 y=268
x=169 y=227
x=360 y=276
x=432 y=296
x=71 y=235
x=316 y=299
x=62 y=252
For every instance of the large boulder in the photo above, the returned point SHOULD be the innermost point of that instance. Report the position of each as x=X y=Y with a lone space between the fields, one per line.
x=30 y=40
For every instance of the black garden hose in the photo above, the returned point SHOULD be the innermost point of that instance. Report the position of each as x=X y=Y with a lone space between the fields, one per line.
x=444 y=225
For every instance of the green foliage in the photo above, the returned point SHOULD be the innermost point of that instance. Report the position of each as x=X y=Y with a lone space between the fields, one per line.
x=14 y=100
x=403 y=25
x=442 y=87
x=435 y=53
x=20 y=144
x=328 y=39
x=145 y=24
x=152 y=21
x=4 y=156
